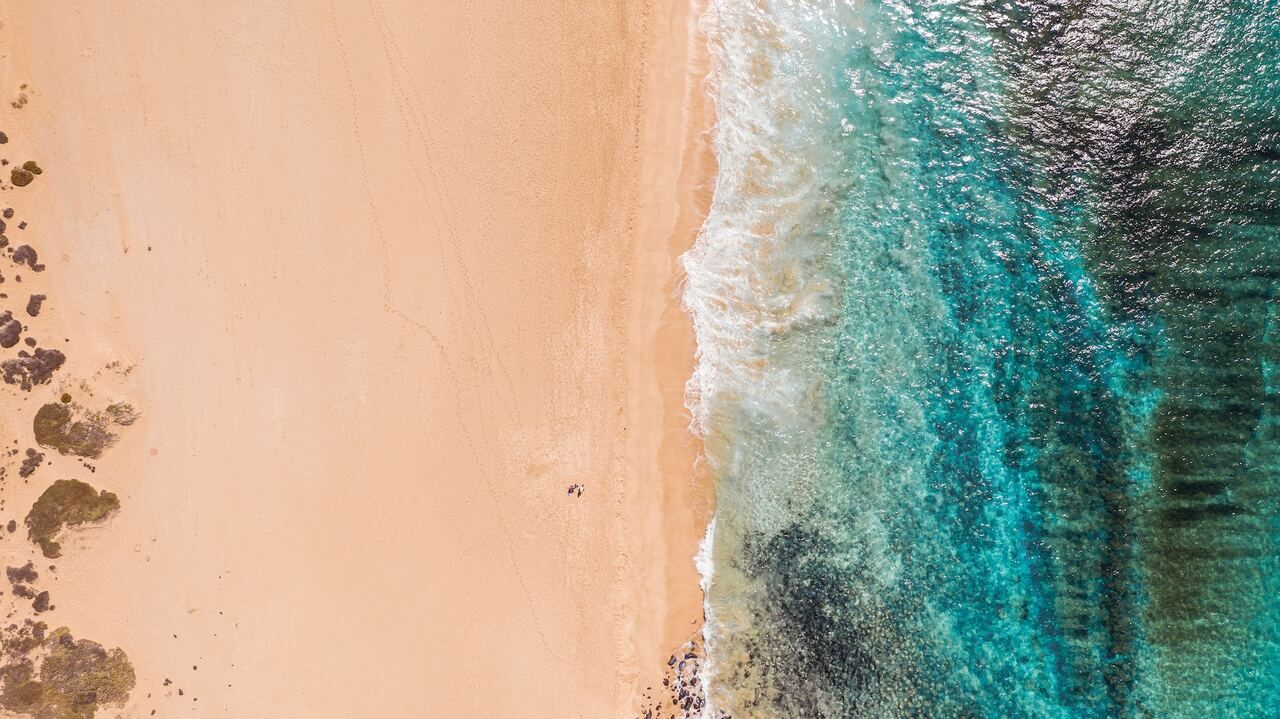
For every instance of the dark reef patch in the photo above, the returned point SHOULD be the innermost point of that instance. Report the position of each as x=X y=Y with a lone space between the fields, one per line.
x=680 y=693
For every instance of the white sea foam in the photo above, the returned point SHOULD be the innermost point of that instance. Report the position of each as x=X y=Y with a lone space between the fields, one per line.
x=759 y=287
x=757 y=274
x=706 y=566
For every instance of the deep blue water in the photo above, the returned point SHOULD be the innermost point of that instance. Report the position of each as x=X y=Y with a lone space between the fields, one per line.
x=987 y=306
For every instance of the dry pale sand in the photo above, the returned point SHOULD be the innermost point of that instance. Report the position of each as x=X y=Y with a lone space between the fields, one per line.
x=384 y=279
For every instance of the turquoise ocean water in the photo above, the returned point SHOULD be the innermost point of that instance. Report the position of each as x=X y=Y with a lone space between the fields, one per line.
x=987 y=312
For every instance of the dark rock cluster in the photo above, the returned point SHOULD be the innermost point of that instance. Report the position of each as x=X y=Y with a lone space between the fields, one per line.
x=10 y=329
x=680 y=695
x=49 y=674
x=29 y=369
x=33 y=368
x=32 y=462
x=21 y=581
x=26 y=255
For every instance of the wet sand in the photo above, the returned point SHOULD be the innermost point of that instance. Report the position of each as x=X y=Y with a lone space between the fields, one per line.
x=383 y=281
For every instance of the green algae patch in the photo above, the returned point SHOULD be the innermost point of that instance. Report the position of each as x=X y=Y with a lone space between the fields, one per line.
x=52 y=675
x=55 y=427
x=70 y=429
x=20 y=177
x=66 y=503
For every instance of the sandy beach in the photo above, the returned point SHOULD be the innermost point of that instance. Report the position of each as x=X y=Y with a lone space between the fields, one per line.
x=383 y=281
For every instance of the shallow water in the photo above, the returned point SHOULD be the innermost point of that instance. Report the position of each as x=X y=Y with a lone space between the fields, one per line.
x=986 y=311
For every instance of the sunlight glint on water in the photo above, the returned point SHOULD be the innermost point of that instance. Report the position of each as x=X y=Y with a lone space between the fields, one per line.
x=985 y=310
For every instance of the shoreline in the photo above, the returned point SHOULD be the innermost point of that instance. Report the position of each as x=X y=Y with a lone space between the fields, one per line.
x=675 y=193
x=301 y=256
